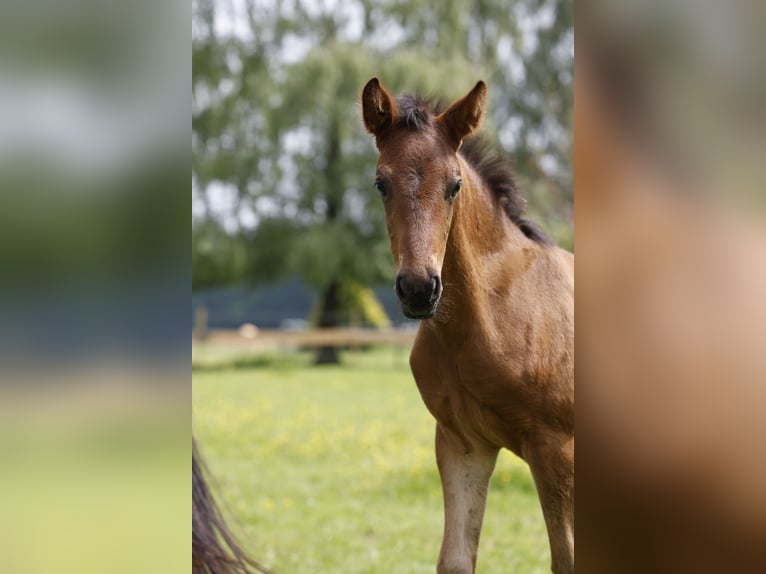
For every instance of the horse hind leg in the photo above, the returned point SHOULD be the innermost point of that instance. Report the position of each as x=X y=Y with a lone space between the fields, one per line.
x=551 y=460
x=465 y=470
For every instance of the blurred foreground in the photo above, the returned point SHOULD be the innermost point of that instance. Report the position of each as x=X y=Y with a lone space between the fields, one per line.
x=671 y=276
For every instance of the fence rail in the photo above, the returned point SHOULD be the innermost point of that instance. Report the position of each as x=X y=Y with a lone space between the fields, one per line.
x=340 y=337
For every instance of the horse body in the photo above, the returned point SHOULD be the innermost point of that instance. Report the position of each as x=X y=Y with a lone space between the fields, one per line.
x=494 y=354
x=498 y=373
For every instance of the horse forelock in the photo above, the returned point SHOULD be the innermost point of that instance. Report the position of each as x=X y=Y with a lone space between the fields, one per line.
x=417 y=113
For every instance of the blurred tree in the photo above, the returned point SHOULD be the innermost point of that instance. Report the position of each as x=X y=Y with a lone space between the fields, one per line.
x=217 y=257
x=278 y=151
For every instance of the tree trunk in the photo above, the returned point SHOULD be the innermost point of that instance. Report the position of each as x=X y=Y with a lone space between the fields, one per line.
x=200 y=331
x=328 y=317
x=330 y=311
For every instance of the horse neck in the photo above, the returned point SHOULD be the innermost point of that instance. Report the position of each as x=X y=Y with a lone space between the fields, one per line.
x=482 y=248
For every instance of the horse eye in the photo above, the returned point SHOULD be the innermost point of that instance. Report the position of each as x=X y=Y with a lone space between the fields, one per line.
x=380 y=187
x=456 y=188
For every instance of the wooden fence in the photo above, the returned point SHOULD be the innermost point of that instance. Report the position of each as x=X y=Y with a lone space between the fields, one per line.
x=250 y=337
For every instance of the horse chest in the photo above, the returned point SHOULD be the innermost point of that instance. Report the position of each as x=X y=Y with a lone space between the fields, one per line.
x=474 y=390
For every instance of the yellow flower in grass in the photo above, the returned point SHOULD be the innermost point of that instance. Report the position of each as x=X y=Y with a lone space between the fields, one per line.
x=267 y=505
x=382 y=463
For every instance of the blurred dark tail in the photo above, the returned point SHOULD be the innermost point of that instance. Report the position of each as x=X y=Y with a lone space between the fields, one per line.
x=214 y=548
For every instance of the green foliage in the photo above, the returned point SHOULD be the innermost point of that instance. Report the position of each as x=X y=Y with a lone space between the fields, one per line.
x=217 y=257
x=332 y=470
x=358 y=307
x=364 y=306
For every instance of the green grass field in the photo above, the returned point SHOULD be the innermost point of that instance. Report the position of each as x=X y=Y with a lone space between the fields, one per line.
x=331 y=469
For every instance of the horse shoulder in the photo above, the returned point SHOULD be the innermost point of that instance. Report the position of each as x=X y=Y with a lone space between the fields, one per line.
x=538 y=348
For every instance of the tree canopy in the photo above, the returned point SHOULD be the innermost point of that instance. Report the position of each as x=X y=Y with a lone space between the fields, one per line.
x=282 y=169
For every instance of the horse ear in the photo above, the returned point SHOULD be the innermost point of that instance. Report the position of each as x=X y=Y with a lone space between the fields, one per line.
x=463 y=117
x=378 y=108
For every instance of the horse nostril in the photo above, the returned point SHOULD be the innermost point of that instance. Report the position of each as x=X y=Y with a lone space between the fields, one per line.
x=436 y=285
x=418 y=289
x=398 y=287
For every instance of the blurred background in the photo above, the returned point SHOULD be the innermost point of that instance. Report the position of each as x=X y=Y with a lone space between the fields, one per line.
x=331 y=468
x=287 y=230
x=94 y=355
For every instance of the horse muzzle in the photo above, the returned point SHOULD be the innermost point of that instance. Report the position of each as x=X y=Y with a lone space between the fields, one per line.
x=418 y=292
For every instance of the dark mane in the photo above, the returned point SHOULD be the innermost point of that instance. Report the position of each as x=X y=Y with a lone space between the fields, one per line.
x=418 y=113
x=496 y=172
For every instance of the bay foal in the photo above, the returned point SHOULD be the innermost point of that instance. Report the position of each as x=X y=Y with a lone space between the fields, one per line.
x=494 y=354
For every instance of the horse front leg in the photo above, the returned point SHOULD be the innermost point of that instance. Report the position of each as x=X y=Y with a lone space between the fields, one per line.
x=551 y=460
x=465 y=468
